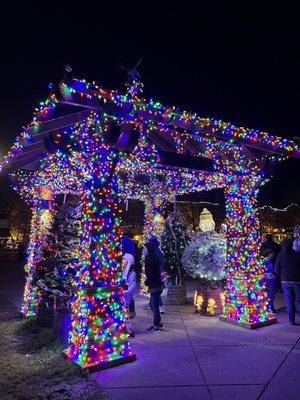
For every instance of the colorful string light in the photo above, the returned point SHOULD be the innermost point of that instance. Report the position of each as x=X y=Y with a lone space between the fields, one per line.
x=100 y=175
x=42 y=212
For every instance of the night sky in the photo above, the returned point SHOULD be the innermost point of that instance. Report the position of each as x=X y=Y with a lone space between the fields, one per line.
x=221 y=62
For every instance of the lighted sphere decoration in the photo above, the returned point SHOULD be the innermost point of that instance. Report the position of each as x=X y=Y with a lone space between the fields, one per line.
x=204 y=258
x=206 y=223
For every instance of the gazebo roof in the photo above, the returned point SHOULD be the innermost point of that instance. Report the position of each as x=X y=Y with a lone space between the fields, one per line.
x=180 y=133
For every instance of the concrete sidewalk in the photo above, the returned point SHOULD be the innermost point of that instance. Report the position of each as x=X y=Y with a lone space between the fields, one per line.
x=198 y=357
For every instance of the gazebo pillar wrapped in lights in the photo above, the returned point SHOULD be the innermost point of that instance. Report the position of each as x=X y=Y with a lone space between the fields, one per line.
x=98 y=333
x=104 y=146
x=245 y=295
x=42 y=211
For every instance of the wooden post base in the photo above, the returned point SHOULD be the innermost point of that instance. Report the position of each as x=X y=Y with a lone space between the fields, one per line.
x=248 y=325
x=176 y=295
x=103 y=365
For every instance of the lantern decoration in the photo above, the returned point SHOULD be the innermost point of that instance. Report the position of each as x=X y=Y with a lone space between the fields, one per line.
x=209 y=302
x=198 y=301
x=206 y=223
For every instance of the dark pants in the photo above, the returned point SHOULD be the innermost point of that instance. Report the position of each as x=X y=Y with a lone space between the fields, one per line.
x=132 y=306
x=272 y=289
x=160 y=302
x=154 y=304
x=292 y=299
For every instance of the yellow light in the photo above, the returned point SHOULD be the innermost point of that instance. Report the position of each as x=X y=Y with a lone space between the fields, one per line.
x=211 y=306
x=198 y=301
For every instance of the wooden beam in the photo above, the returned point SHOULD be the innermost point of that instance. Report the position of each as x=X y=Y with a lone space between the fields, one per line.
x=22 y=162
x=50 y=125
x=161 y=142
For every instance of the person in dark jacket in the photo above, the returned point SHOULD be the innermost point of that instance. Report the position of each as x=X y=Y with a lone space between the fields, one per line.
x=154 y=281
x=270 y=276
x=161 y=261
x=269 y=244
x=288 y=268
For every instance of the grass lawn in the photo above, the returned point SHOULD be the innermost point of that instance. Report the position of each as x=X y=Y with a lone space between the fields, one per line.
x=31 y=364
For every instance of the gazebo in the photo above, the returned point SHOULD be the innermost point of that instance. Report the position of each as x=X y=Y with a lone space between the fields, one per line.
x=104 y=145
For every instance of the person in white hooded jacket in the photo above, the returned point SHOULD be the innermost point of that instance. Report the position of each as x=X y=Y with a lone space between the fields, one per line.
x=129 y=277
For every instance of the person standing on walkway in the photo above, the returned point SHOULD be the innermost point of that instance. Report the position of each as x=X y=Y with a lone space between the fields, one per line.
x=129 y=277
x=288 y=268
x=154 y=281
x=296 y=243
x=270 y=276
x=161 y=261
x=128 y=248
x=269 y=244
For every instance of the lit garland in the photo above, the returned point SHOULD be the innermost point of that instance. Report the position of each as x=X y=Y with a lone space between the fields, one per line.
x=39 y=114
x=94 y=171
x=60 y=173
x=42 y=212
x=285 y=209
x=158 y=192
x=245 y=292
x=170 y=118
x=98 y=334
x=163 y=182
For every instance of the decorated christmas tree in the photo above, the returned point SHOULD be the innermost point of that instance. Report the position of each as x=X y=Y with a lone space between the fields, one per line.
x=55 y=271
x=173 y=243
x=68 y=237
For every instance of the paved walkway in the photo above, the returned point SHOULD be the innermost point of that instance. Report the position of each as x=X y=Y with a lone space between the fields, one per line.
x=199 y=358
x=196 y=357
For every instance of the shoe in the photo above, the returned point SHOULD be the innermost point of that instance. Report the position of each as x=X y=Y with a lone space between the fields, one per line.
x=162 y=309
x=153 y=329
x=161 y=326
x=292 y=323
x=131 y=334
